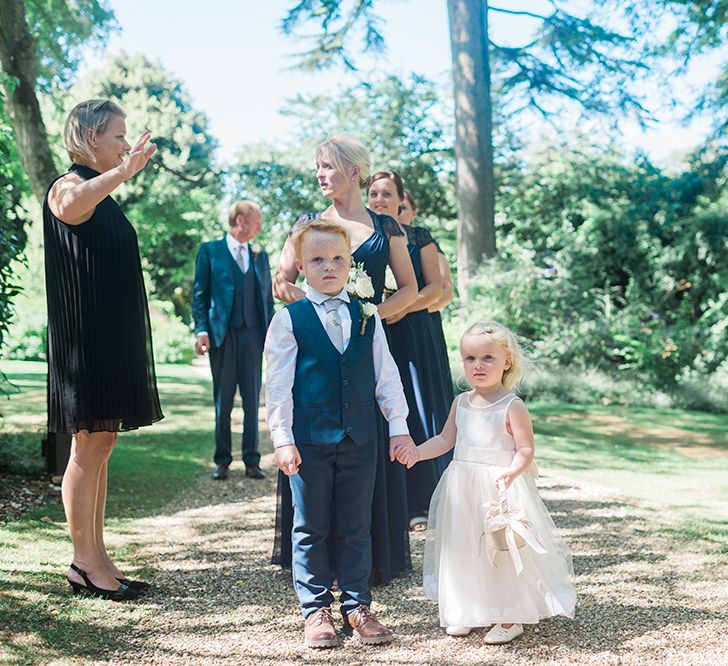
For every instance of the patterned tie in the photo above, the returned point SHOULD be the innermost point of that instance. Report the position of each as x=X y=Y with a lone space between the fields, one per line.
x=333 y=323
x=239 y=258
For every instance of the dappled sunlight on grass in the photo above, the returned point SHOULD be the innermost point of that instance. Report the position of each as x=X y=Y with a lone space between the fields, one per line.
x=639 y=495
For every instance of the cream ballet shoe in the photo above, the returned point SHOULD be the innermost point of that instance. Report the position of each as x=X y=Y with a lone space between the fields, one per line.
x=499 y=634
x=457 y=631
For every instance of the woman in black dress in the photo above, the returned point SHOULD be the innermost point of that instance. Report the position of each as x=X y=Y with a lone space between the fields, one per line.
x=100 y=368
x=407 y=213
x=414 y=347
x=342 y=170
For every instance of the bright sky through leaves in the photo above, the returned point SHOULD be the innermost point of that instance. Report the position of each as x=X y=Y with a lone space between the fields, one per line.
x=234 y=61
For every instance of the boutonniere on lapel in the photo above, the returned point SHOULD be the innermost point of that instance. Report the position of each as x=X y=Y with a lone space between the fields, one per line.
x=367 y=311
x=255 y=249
x=359 y=283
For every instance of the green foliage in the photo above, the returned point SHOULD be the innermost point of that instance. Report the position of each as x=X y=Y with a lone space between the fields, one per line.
x=12 y=234
x=570 y=58
x=401 y=122
x=172 y=339
x=614 y=266
x=173 y=203
x=60 y=28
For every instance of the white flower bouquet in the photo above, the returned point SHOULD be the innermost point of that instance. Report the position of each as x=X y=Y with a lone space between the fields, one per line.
x=359 y=283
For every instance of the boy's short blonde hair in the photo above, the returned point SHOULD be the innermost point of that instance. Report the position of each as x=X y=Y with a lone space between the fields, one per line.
x=93 y=114
x=303 y=228
x=345 y=152
x=506 y=339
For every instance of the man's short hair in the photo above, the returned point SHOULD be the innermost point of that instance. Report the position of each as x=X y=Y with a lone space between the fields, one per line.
x=242 y=207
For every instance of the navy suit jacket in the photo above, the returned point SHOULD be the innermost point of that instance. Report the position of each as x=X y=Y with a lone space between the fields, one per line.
x=213 y=289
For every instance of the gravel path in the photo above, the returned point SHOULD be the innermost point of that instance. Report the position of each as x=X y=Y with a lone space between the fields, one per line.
x=643 y=598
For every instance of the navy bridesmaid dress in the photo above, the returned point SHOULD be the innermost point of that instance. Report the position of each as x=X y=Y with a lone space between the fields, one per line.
x=428 y=389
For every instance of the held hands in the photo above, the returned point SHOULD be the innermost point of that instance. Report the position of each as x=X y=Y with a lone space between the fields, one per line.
x=402 y=449
x=202 y=345
x=287 y=459
x=138 y=157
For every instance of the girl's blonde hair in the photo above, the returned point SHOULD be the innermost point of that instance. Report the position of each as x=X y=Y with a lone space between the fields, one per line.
x=93 y=114
x=506 y=339
x=345 y=152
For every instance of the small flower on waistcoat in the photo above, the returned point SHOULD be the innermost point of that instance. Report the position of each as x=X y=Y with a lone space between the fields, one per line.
x=359 y=283
x=367 y=311
x=255 y=248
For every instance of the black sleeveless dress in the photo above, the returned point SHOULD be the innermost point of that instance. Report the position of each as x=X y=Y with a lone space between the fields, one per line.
x=389 y=529
x=444 y=460
x=414 y=345
x=100 y=365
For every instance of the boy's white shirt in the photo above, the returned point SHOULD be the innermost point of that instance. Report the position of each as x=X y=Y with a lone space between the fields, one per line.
x=280 y=353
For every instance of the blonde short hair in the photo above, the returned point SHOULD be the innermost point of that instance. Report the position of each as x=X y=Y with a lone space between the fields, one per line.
x=322 y=226
x=93 y=114
x=243 y=207
x=506 y=339
x=345 y=152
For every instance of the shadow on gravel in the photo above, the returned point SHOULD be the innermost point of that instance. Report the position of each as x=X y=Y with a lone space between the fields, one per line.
x=626 y=585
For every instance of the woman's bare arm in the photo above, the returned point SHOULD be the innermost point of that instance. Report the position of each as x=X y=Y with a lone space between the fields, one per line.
x=284 y=282
x=404 y=274
x=448 y=289
x=73 y=200
x=433 y=283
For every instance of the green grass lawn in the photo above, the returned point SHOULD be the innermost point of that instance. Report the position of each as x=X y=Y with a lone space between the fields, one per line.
x=673 y=461
x=148 y=469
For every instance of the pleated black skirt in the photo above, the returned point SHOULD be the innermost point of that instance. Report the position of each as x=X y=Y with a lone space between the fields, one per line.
x=100 y=366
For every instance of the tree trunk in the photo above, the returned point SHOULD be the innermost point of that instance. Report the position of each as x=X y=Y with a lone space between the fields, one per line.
x=473 y=137
x=18 y=61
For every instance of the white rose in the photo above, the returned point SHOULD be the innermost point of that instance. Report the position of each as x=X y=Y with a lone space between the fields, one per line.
x=363 y=286
x=369 y=310
x=390 y=283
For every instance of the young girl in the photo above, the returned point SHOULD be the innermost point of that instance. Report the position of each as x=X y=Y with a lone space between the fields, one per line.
x=475 y=583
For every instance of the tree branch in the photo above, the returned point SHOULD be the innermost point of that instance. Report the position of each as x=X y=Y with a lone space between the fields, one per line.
x=517 y=13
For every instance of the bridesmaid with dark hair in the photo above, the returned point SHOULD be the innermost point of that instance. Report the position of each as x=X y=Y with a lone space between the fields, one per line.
x=414 y=345
x=407 y=213
x=101 y=378
x=342 y=168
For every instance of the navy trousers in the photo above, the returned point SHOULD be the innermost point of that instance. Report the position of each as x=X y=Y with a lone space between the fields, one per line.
x=237 y=364
x=333 y=490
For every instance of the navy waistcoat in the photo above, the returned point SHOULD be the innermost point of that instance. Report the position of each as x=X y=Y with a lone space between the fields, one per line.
x=245 y=312
x=333 y=393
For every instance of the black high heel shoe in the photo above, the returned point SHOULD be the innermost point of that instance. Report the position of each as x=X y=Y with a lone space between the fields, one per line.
x=140 y=585
x=124 y=593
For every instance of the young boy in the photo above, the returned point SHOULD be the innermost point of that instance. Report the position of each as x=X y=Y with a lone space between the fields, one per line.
x=328 y=367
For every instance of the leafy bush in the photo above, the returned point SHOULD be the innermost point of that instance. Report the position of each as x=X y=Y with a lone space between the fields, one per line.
x=614 y=267
x=172 y=339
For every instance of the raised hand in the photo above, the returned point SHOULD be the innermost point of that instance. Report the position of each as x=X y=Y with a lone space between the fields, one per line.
x=138 y=157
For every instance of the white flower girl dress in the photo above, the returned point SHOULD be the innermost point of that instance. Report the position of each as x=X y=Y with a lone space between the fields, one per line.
x=474 y=583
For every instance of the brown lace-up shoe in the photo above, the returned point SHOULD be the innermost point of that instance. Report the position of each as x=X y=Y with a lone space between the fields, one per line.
x=319 y=630
x=367 y=628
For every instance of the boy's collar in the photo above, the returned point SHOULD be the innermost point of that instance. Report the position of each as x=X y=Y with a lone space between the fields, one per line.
x=317 y=297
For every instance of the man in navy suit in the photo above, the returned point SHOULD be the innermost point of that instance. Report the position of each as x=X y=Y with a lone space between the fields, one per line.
x=232 y=305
